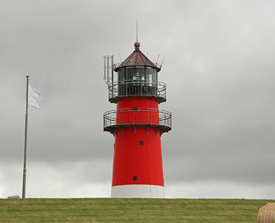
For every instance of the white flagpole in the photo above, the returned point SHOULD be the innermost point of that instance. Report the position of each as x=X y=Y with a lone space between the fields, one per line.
x=25 y=144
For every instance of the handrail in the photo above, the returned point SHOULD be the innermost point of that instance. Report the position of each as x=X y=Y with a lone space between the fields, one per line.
x=141 y=116
x=141 y=88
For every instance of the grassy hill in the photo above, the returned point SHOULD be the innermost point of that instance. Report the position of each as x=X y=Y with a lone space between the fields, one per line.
x=130 y=210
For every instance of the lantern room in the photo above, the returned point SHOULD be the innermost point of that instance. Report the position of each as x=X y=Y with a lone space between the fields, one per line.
x=136 y=76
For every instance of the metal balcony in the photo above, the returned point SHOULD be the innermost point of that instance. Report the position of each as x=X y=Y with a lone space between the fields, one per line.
x=137 y=88
x=160 y=119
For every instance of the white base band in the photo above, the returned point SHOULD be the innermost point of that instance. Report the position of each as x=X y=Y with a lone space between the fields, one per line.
x=137 y=191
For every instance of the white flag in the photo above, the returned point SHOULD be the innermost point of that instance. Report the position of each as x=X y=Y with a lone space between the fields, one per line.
x=34 y=96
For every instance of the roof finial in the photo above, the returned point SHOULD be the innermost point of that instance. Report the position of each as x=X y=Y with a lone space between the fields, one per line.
x=137 y=45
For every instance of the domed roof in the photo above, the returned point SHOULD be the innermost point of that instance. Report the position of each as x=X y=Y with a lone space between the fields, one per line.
x=137 y=58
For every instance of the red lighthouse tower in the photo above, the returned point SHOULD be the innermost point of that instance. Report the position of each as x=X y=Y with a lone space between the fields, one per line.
x=137 y=125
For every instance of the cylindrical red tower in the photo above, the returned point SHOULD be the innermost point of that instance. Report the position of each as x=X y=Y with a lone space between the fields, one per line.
x=137 y=125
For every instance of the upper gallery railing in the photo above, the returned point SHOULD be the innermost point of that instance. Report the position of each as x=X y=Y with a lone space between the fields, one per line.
x=136 y=88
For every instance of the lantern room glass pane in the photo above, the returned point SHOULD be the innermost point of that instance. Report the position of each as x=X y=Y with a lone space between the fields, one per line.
x=137 y=80
x=135 y=74
x=121 y=75
x=151 y=76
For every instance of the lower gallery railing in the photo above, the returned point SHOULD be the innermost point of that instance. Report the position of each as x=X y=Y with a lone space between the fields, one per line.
x=138 y=117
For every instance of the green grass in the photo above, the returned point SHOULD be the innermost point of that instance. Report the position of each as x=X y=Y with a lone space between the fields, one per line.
x=130 y=210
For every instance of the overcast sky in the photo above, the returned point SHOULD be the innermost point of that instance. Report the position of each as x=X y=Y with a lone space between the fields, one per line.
x=220 y=73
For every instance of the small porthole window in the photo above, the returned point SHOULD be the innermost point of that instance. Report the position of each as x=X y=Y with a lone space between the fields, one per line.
x=134 y=178
x=141 y=143
x=135 y=109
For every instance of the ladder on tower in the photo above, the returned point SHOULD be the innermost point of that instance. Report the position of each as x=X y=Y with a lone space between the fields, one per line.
x=108 y=69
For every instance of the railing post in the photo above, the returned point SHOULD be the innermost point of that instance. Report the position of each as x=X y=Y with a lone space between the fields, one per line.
x=133 y=116
x=140 y=88
x=126 y=88
x=157 y=89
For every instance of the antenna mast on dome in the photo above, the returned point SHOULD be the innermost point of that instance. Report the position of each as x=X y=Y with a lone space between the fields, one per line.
x=137 y=29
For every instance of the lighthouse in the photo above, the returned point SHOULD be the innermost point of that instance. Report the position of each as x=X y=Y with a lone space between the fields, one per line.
x=137 y=125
